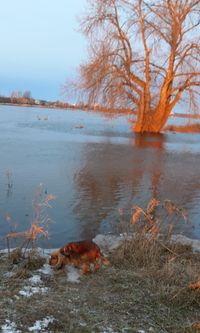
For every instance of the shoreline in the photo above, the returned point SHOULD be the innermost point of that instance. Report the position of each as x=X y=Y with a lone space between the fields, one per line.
x=142 y=290
x=110 y=242
x=52 y=105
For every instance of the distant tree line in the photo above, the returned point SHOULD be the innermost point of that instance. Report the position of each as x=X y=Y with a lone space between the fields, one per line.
x=18 y=97
x=25 y=98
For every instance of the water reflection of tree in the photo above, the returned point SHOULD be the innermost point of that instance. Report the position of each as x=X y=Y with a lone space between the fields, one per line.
x=117 y=176
x=149 y=141
x=172 y=175
x=108 y=181
x=154 y=145
x=112 y=177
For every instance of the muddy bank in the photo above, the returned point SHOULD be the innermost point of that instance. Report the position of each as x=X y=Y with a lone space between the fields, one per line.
x=146 y=292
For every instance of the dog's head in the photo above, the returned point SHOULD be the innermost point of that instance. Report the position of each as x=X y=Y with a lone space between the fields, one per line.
x=57 y=260
x=54 y=258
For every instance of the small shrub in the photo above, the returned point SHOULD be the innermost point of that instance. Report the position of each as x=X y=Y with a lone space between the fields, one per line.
x=39 y=223
x=156 y=217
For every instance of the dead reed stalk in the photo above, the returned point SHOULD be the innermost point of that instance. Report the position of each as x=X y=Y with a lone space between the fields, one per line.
x=39 y=223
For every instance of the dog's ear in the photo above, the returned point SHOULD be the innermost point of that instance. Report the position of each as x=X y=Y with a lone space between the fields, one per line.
x=62 y=251
x=53 y=259
x=56 y=260
x=65 y=251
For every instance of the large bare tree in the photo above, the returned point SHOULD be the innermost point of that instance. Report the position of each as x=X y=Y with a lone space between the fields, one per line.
x=144 y=55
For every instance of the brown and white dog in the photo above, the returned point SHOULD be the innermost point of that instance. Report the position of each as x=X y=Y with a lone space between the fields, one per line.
x=85 y=255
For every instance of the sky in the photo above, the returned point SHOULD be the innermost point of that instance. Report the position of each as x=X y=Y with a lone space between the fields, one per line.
x=41 y=47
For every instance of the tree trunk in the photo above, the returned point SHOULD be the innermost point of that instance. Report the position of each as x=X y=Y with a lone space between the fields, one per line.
x=152 y=121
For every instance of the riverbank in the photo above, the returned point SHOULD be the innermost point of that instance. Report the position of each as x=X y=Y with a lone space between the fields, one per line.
x=188 y=128
x=149 y=287
x=65 y=106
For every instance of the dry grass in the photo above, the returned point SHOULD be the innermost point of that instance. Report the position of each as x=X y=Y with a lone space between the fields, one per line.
x=157 y=217
x=164 y=273
x=39 y=223
x=168 y=273
x=147 y=287
x=23 y=266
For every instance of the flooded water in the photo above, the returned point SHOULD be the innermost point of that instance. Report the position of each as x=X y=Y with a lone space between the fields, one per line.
x=95 y=166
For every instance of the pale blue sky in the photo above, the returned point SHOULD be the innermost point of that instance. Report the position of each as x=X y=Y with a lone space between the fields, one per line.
x=40 y=45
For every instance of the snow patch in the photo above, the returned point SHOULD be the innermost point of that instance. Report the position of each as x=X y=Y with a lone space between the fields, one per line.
x=34 y=287
x=46 y=270
x=9 y=327
x=110 y=242
x=73 y=274
x=5 y=251
x=35 y=279
x=8 y=274
x=108 y=330
x=194 y=243
x=28 y=291
x=44 y=253
x=40 y=325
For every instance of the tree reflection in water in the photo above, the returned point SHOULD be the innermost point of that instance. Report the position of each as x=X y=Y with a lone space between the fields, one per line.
x=117 y=176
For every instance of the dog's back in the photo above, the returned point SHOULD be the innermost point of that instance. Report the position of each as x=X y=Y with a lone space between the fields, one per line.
x=84 y=249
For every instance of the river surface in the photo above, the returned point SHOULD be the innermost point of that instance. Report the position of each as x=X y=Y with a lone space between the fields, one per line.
x=97 y=169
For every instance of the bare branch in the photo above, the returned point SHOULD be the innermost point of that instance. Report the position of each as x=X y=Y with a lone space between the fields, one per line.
x=142 y=53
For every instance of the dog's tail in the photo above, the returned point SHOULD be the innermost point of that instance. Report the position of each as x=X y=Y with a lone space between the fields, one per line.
x=102 y=259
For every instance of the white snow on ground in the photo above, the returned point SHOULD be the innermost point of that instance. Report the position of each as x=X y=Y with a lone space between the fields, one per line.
x=73 y=274
x=5 y=251
x=28 y=291
x=42 y=252
x=46 y=270
x=41 y=325
x=8 y=274
x=35 y=286
x=35 y=279
x=9 y=327
x=110 y=242
x=108 y=330
x=194 y=243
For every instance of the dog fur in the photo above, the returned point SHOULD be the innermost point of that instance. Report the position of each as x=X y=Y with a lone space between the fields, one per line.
x=85 y=255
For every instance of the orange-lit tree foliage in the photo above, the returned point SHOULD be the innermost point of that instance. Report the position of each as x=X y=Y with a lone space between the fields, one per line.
x=144 y=55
